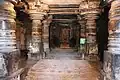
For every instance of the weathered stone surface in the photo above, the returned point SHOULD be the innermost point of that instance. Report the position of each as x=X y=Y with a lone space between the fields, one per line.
x=112 y=66
x=62 y=70
x=3 y=66
x=9 y=63
x=112 y=55
x=63 y=65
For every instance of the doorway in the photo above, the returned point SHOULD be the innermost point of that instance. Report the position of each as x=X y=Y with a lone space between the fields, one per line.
x=65 y=36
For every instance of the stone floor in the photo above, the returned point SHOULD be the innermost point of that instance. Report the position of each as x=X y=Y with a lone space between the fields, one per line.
x=63 y=65
x=63 y=54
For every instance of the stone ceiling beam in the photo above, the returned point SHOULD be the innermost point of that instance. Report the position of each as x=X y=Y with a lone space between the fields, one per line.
x=52 y=13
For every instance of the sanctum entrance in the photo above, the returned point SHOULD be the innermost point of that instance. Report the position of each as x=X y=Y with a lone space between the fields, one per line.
x=64 y=31
x=65 y=37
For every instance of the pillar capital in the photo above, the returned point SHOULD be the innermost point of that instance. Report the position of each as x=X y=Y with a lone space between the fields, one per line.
x=36 y=15
x=38 y=10
x=91 y=7
x=114 y=11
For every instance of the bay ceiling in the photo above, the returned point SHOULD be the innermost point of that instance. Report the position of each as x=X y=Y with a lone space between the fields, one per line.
x=68 y=8
x=60 y=2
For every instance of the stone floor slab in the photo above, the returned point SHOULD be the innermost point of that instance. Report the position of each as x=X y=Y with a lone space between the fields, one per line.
x=63 y=70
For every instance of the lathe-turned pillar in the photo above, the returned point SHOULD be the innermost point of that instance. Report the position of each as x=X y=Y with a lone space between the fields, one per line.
x=90 y=9
x=37 y=11
x=7 y=28
x=92 y=46
x=112 y=55
x=46 y=36
x=36 y=45
x=46 y=24
x=82 y=22
x=9 y=54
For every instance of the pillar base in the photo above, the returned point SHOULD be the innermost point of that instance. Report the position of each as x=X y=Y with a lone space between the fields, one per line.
x=92 y=51
x=111 y=65
x=10 y=68
x=36 y=51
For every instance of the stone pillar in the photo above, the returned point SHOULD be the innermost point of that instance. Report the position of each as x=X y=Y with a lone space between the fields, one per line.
x=46 y=36
x=112 y=55
x=46 y=33
x=7 y=28
x=9 y=54
x=36 y=45
x=83 y=49
x=92 y=47
x=37 y=12
x=90 y=9
x=36 y=35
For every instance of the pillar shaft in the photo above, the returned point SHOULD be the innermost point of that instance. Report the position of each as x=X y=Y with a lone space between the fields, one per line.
x=82 y=37
x=92 y=47
x=37 y=12
x=9 y=55
x=36 y=35
x=7 y=27
x=90 y=9
x=46 y=37
x=46 y=25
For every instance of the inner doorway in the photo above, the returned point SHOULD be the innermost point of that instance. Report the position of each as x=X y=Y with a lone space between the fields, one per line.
x=65 y=37
x=64 y=32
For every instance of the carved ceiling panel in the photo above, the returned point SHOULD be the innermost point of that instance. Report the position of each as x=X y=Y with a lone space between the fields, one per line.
x=60 y=1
